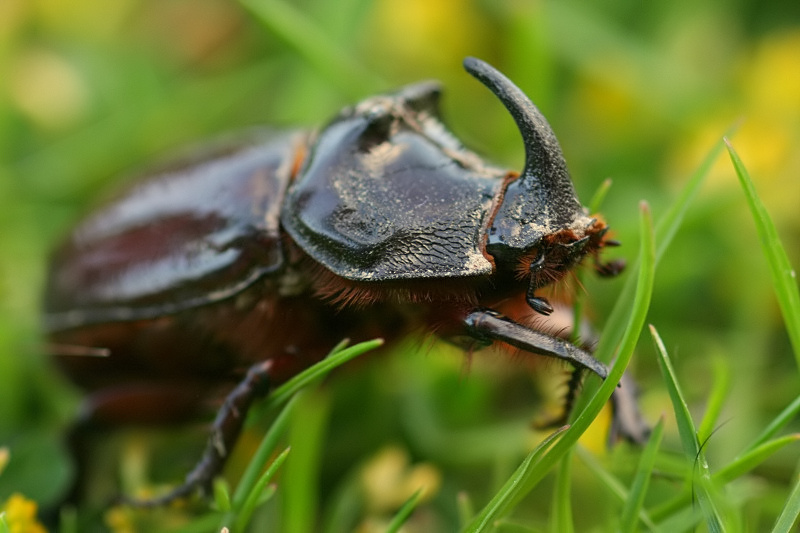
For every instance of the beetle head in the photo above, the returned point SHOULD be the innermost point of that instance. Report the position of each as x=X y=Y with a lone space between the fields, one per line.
x=541 y=229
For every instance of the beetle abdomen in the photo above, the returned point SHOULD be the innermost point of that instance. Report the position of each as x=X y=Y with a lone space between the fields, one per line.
x=182 y=238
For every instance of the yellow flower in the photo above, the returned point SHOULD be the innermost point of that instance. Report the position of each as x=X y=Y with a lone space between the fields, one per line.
x=389 y=480
x=19 y=515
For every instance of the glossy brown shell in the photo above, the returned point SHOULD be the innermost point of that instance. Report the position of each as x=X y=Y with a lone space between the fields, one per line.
x=190 y=235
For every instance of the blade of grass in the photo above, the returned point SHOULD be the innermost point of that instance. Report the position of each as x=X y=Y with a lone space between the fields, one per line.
x=612 y=484
x=784 y=277
x=562 y=504
x=788 y=517
x=254 y=498
x=311 y=42
x=404 y=513
x=222 y=494
x=721 y=384
x=599 y=196
x=740 y=466
x=688 y=435
x=665 y=231
x=633 y=505
x=508 y=526
x=337 y=357
x=536 y=466
x=684 y=520
x=301 y=490
x=504 y=497
x=465 y=509
x=778 y=423
x=638 y=311
x=748 y=461
x=261 y=457
x=203 y=524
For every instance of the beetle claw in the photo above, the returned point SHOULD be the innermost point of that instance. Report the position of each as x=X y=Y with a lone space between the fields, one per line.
x=540 y=305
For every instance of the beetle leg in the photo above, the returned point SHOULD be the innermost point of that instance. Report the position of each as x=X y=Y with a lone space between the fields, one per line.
x=485 y=324
x=224 y=433
x=573 y=385
x=538 y=304
x=627 y=422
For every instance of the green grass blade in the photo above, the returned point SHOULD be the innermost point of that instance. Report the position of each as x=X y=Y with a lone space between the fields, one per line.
x=510 y=491
x=507 y=526
x=262 y=455
x=337 y=357
x=778 y=423
x=635 y=501
x=748 y=461
x=613 y=484
x=688 y=435
x=283 y=393
x=466 y=510
x=537 y=465
x=638 y=303
x=562 y=504
x=721 y=385
x=256 y=495
x=665 y=231
x=685 y=519
x=222 y=495
x=311 y=42
x=788 y=517
x=404 y=513
x=668 y=225
x=599 y=196
x=638 y=311
x=740 y=466
x=686 y=428
x=784 y=277
x=301 y=490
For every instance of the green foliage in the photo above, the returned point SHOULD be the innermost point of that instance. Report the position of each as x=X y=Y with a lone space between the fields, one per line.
x=637 y=94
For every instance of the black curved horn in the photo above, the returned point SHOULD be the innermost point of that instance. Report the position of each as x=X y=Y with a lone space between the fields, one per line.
x=543 y=155
x=543 y=198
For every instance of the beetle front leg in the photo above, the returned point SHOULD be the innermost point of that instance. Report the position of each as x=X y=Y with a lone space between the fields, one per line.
x=488 y=325
x=224 y=432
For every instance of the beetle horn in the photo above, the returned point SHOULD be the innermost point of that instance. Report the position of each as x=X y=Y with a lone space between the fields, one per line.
x=543 y=197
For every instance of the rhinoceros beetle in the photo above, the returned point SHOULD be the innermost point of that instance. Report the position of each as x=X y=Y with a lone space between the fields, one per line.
x=248 y=264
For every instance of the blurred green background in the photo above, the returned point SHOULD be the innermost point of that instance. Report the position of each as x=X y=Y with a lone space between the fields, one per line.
x=636 y=91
